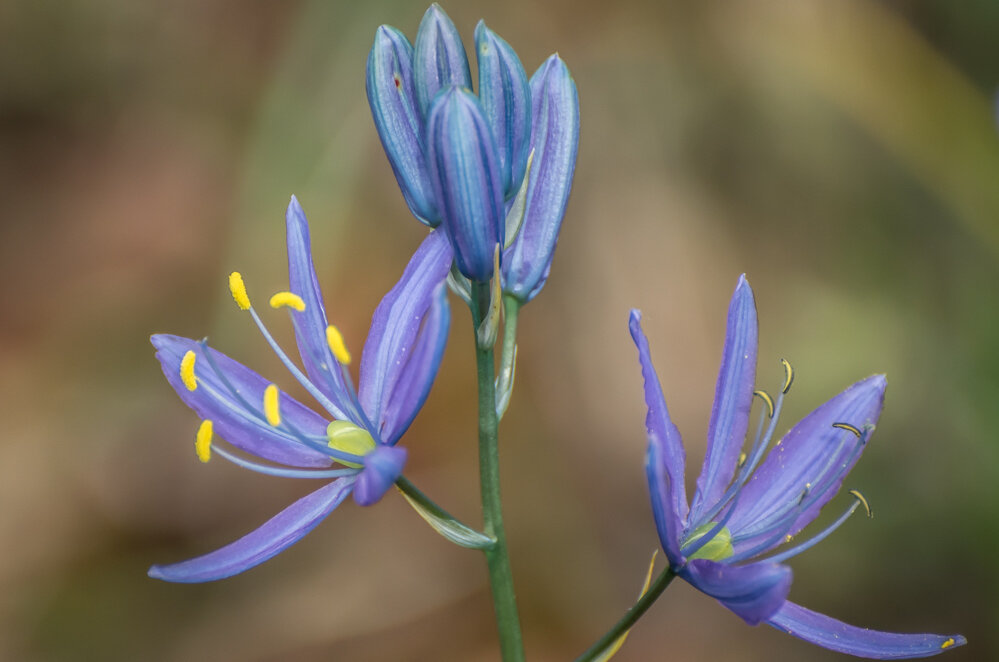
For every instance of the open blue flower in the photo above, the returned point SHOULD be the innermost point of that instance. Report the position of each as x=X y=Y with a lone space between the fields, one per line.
x=360 y=429
x=745 y=506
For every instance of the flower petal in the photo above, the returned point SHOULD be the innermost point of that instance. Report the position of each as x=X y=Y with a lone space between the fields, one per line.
x=554 y=139
x=439 y=59
x=733 y=400
x=414 y=382
x=461 y=155
x=754 y=591
x=506 y=100
x=310 y=325
x=382 y=467
x=660 y=426
x=835 y=635
x=245 y=429
x=661 y=490
x=392 y=339
x=813 y=457
x=276 y=535
x=399 y=120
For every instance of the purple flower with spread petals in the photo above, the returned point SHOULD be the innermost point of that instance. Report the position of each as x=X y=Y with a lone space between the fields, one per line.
x=360 y=429
x=746 y=506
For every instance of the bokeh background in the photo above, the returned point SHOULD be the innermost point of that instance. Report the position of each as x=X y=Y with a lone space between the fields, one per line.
x=843 y=154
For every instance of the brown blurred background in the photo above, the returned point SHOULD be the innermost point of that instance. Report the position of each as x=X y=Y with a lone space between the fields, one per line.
x=843 y=154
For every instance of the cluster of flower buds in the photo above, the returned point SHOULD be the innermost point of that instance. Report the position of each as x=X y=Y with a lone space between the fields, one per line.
x=491 y=169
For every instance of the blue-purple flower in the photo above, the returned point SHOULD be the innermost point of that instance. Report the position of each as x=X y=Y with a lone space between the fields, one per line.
x=746 y=506
x=458 y=158
x=360 y=429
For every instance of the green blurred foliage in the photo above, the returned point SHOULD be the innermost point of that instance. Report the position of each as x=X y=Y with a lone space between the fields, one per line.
x=843 y=154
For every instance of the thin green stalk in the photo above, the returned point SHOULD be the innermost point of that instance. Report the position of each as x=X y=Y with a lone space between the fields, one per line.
x=497 y=557
x=630 y=617
x=508 y=359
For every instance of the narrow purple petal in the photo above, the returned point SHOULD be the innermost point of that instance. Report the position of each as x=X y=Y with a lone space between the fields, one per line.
x=416 y=378
x=391 y=89
x=814 y=457
x=276 y=535
x=439 y=59
x=733 y=400
x=461 y=155
x=382 y=467
x=835 y=635
x=754 y=591
x=396 y=324
x=660 y=426
x=554 y=139
x=245 y=429
x=506 y=100
x=310 y=325
x=661 y=489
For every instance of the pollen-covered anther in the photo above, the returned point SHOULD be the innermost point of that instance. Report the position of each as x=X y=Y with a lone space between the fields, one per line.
x=187 y=370
x=288 y=299
x=763 y=395
x=742 y=460
x=238 y=290
x=848 y=428
x=272 y=410
x=336 y=344
x=203 y=441
x=788 y=375
x=948 y=643
x=860 y=497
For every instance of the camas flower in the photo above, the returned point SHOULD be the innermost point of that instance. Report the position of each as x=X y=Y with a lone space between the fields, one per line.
x=400 y=360
x=459 y=158
x=745 y=507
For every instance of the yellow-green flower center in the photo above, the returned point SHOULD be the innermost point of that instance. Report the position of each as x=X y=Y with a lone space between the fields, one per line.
x=718 y=548
x=346 y=437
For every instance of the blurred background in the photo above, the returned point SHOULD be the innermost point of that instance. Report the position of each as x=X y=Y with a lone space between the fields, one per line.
x=842 y=154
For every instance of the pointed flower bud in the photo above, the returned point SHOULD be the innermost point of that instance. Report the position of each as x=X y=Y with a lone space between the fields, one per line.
x=439 y=59
x=464 y=171
x=506 y=101
x=399 y=120
x=554 y=139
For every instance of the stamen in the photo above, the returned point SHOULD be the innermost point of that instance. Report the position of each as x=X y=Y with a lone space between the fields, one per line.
x=794 y=551
x=282 y=471
x=948 y=643
x=238 y=290
x=848 y=428
x=788 y=375
x=203 y=441
x=288 y=299
x=335 y=341
x=187 y=370
x=763 y=395
x=742 y=460
x=860 y=497
x=271 y=406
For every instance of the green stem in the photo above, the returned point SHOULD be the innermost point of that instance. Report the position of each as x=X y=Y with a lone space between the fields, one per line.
x=497 y=558
x=508 y=359
x=630 y=617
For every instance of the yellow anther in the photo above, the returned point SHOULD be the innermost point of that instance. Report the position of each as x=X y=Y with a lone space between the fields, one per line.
x=238 y=290
x=788 y=375
x=335 y=341
x=948 y=643
x=763 y=395
x=187 y=370
x=848 y=428
x=742 y=460
x=293 y=301
x=271 y=408
x=203 y=441
x=860 y=497
x=346 y=437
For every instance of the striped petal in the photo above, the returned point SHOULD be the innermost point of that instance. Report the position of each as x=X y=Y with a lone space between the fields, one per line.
x=465 y=174
x=506 y=101
x=276 y=535
x=733 y=400
x=393 y=337
x=835 y=635
x=754 y=591
x=439 y=60
x=391 y=89
x=239 y=419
